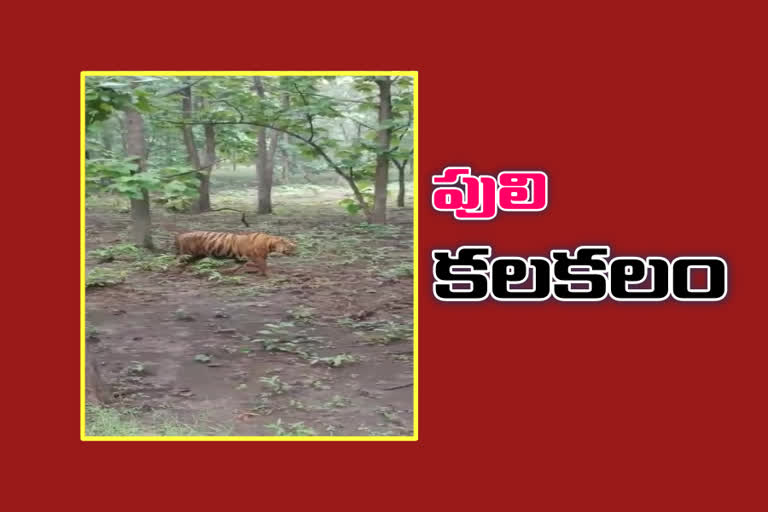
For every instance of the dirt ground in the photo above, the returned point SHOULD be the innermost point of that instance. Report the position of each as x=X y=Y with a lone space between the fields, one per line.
x=323 y=346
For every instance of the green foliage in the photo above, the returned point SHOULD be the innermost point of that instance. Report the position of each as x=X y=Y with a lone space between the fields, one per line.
x=337 y=402
x=399 y=271
x=102 y=277
x=334 y=361
x=158 y=263
x=327 y=124
x=381 y=331
x=274 y=384
x=102 y=101
x=172 y=183
x=125 y=252
x=140 y=259
x=354 y=206
x=210 y=269
x=104 y=96
x=108 y=421
x=207 y=264
x=176 y=186
x=236 y=142
x=301 y=314
x=290 y=429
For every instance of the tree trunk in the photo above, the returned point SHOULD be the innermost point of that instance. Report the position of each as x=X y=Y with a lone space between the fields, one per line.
x=189 y=142
x=262 y=162
x=122 y=134
x=204 y=198
x=288 y=165
x=106 y=141
x=135 y=143
x=186 y=129
x=262 y=170
x=379 y=213
x=401 y=181
x=274 y=141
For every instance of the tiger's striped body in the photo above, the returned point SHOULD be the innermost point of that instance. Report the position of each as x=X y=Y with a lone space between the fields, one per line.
x=254 y=247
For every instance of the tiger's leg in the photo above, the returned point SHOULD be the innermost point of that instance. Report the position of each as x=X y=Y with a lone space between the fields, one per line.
x=257 y=265
x=236 y=268
x=233 y=270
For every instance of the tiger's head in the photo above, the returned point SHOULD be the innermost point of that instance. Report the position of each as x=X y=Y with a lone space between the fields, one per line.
x=282 y=246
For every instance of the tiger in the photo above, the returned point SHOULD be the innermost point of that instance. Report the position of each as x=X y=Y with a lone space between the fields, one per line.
x=253 y=247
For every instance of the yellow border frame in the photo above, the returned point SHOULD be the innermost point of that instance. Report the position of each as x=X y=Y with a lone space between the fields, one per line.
x=414 y=75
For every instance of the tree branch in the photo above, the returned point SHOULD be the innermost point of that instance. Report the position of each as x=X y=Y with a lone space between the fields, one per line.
x=338 y=170
x=194 y=170
x=235 y=107
x=323 y=96
x=308 y=115
x=242 y=219
x=357 y=121
x=397 y=387
x=179 y=89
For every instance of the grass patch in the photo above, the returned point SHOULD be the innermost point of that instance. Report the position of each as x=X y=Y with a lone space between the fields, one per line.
x=274 y=384
x=302 y=314
x=381 y=331
x=399 y=271
x=334 y=361
x=210 y=268
x=103 y=277
x=338 y=402
x=290 y=429
x=123 y=252
x=155 y=263
x=140 y=259
x=108 y=421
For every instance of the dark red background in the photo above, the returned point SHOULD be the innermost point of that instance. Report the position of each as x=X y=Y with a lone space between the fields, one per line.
x=651 y=124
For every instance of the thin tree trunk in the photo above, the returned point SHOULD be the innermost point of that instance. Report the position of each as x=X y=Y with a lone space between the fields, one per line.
x=274 y=141
x=106 y=140
x=189 y=140
x=262 y=162
x=122 y=134
x=262 y=170
x=204 y=199
x=401 y=181
x=276 y=138
x=288 y=166
x=141 y=232
x=186 y=129
x=379 y=213
x=401 y=166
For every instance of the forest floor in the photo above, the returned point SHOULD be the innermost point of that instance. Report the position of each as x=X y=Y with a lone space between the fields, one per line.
x=323 y=346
